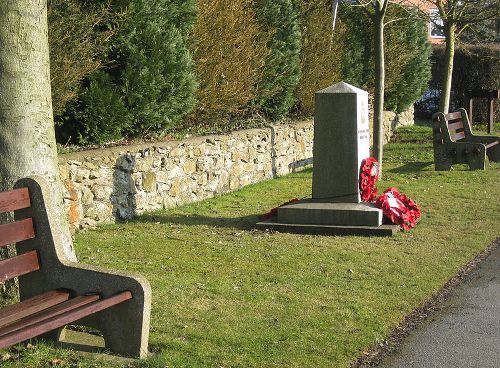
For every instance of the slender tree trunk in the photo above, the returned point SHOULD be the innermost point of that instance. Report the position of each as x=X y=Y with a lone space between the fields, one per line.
x=444 y=102
x=378 y=108
x=27 y=140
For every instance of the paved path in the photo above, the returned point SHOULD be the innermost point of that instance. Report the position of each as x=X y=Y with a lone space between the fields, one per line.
x=465 y=333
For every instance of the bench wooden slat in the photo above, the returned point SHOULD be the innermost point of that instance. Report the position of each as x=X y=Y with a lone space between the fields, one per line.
x=453 y=115
x=16 y=231
x=14 y=200
x=458 y=136
x=492 y=144
x=19 y=265
x=46 y=314
x=455 y=126
x=30 y=306
x=62 y=320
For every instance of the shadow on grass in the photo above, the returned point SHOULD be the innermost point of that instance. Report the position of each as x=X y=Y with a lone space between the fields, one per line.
x=241 y=223
x=411 y=167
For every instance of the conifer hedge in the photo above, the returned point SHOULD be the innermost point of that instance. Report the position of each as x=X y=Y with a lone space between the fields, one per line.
x=275 y=91
x=229 y=49
x=474 y=67
x=79 y=34
x=321 y=52
x=209 y=62
x=149 y=74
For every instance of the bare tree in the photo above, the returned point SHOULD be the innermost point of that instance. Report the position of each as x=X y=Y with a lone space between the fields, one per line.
x=27 y=139
x=457 y=16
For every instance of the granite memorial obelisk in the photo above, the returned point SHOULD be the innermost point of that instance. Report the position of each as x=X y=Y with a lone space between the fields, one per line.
x=341 y=143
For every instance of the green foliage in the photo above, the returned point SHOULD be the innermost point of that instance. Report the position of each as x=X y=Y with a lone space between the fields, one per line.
x=357 y=54
x=474 y=67
x=229 y=50
x=155 y=66
x=98 y=116
x=151 y=69
x=275 y=92
x=407 y=54
x=408 y=60
x=321 y=54
x=79 y=34
x=252 y=56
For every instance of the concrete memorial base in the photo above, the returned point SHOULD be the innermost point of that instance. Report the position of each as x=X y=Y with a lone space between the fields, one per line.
x=311 y=216
x=311 y=211
x=382 y=230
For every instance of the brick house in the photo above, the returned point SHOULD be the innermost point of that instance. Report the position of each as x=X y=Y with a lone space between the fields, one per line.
x=435 y=24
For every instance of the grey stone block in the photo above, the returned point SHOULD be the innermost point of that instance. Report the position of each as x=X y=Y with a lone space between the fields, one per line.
x=327 y=213
x=341 y=142
x=273 y=225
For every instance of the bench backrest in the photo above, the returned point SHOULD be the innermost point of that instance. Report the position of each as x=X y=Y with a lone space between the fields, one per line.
x=451 y=127
x=16 y=231
x=456 y=126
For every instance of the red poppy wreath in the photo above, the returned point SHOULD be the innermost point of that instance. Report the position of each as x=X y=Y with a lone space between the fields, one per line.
x=398 y=208
x=368 y=176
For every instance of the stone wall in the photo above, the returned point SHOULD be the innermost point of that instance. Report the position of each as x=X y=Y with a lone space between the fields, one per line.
x=107 y=185
x=112 y=184
x=393 y=120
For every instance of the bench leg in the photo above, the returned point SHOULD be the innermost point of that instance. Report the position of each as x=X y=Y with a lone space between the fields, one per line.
x=475 y=156
x=494 y=153
x=54 y=335
x=476 y=165
x=442 y=166
x=125 y=329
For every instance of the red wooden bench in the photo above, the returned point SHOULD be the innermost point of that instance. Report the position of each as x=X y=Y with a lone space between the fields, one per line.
x=55 y=292
x=454 y=142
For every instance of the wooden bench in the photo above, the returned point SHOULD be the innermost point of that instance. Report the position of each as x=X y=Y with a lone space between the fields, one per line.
x=54 y=291
x=454 y=143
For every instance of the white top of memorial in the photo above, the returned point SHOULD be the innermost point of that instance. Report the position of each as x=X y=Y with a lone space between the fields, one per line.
x=342 y=87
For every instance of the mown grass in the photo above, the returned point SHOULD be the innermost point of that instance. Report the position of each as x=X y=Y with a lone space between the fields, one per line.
x=225 y=295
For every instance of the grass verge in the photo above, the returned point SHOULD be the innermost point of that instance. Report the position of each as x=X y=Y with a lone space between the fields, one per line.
x=225 y=295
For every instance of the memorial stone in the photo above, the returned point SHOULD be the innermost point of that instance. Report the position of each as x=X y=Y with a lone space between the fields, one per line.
x=341 y=143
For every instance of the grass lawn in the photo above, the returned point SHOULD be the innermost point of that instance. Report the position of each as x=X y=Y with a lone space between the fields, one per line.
x=225 y=295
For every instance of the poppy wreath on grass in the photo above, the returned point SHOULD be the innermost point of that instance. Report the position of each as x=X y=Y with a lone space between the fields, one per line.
x=274 y=211
x=368 y=176
x=399 y=208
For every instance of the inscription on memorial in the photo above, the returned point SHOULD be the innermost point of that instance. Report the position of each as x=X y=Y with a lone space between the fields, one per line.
x=364 y=134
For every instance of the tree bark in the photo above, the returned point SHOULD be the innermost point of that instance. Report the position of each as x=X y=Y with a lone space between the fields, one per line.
x=27 y=138
x=444 y=102
x=378 y=108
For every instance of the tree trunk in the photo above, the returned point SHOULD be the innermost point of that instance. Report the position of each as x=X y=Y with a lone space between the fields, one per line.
x=378 y=108
x=27 y=139
x=444 y=102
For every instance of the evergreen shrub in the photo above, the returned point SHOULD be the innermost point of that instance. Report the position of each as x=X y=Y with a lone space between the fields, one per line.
x=150 y=74
x=156 y=71
x=408 y=52
x=357 y=63
x=474 y=67
x=229 y=50
x=100 y=112
x=321 y=52
x=275 y=92
x=79 y=33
